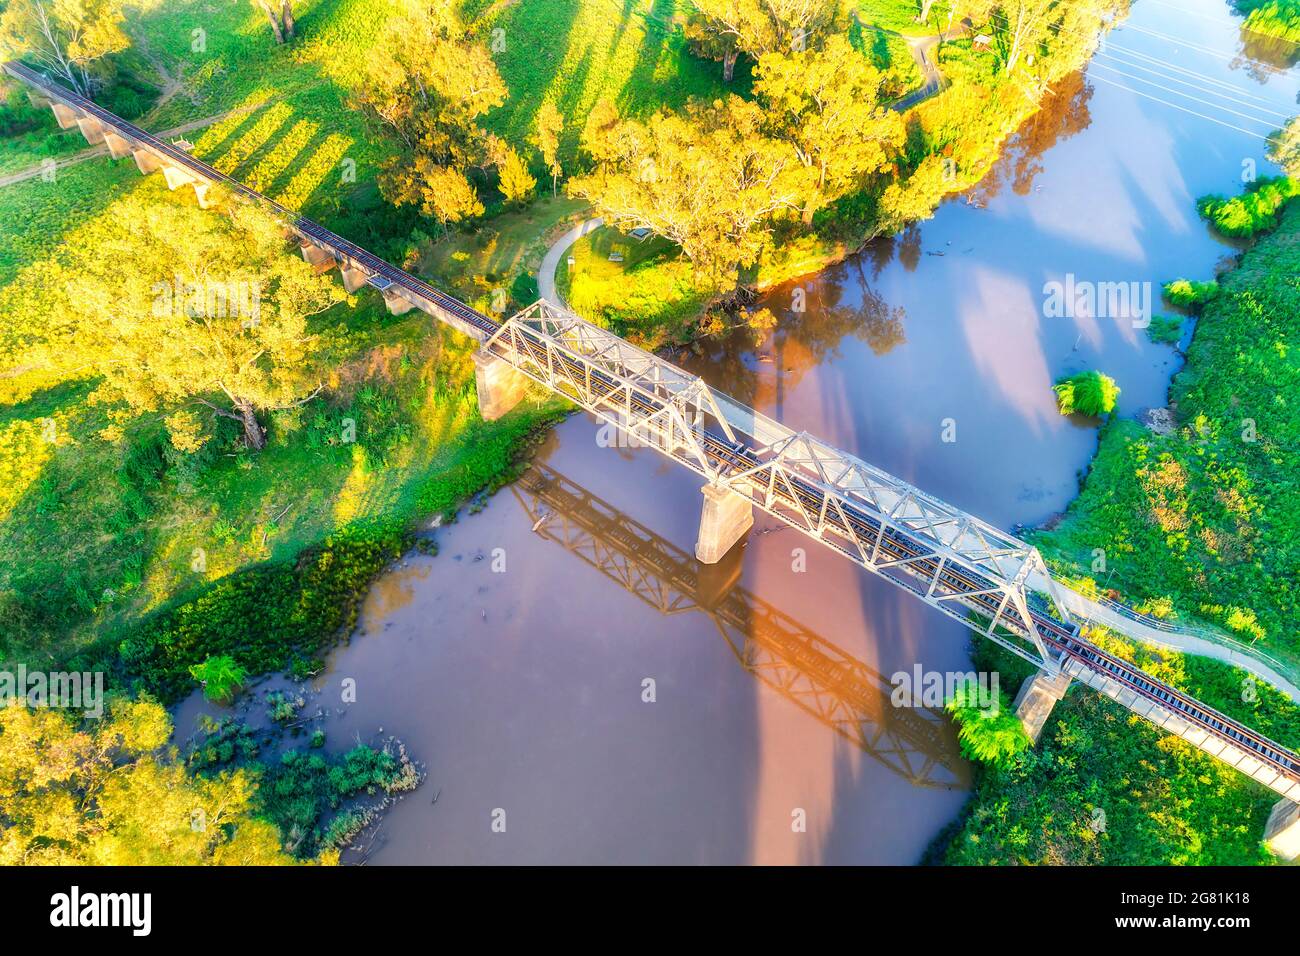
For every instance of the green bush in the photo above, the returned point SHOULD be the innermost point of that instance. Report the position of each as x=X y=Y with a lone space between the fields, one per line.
x=264 y=615
x=1087 y=393
x=304 y=790
x=1273 y=18
x=1165 y=329
x=992 y=735
x=1254 y=211
x=220 y=676
x=1186 y=294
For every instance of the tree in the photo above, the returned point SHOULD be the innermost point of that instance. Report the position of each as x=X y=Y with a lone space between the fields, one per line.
x=550 y=124
x=105 y=792
x=1069 y=31
x=992 y=735
x=440 y=191
x=1284 y=147
x=723 y=29
x=598 y=132
x=66 y=38
x=280 y=17
x=177 y=309
x=826 y=103
x=516 y=182
x=427 y=81
x=220 y=676
x=1089 y=393
x=913 y=199
x=707 y=179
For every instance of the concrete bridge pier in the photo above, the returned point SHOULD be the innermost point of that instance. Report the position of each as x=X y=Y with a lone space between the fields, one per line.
x=176 y=177
x=724 y=519
x=37 y=99
x=91 y=128
x=66 y=115
x=1282 y=834
x=397 y=303
x=500 y=385
x=146 y=161
x=317 y=256
x=353 y=279
x=1038 y=695
x=201 y=194
x=118 y=147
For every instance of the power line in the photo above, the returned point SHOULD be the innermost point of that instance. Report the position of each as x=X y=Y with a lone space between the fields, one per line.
x=1189 y=83
x=1182 y=108
x=1100 y=33
x=1196 y=13
x=1194 y=99
x=1111 y=47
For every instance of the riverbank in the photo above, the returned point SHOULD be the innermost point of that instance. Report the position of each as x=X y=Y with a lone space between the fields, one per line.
x=1183 y=520
x=1200 y=523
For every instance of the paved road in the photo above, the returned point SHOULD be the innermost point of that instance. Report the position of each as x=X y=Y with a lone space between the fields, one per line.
x=921 y=49
x=551 y=261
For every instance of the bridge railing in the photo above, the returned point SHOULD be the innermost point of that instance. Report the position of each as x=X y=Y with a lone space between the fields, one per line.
x=953 y=561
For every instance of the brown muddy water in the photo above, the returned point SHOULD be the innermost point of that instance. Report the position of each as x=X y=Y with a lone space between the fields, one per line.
x=517 y=664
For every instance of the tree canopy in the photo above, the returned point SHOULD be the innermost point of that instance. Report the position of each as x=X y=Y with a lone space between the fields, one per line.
x=708 y=179
x=723 y=29
x=175 y=311
x=429 y=82
x=826 y=104
x=108 y=792
x=67 y=38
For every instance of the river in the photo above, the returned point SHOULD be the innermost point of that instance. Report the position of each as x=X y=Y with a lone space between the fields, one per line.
x=583 y=692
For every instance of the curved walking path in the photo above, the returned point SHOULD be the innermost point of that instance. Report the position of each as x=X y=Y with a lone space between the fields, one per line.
x=551 y=261
x=1182 y=641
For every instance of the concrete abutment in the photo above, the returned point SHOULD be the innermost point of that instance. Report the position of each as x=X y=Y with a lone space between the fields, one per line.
x=1282 y=834
x=1038 y=695
x=500 y=385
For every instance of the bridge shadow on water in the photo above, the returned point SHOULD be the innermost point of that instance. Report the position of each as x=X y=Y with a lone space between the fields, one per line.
x=840 y=691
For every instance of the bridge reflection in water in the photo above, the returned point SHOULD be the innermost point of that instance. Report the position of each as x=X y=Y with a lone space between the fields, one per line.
x=840 y=691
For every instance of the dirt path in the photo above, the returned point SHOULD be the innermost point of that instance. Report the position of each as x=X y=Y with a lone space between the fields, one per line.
x=32 y=172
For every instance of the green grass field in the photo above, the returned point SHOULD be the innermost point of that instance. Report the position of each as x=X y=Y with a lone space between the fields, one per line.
x=646 y=292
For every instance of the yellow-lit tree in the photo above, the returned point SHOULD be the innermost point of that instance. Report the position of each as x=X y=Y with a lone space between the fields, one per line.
x=110 y=792
x=429 y=82
x=826 y=104
x=66 y=38
x=708 y=179
x=177 y=310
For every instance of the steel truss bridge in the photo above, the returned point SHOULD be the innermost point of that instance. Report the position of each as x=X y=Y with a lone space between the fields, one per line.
x=988 y=580
x=825 y=681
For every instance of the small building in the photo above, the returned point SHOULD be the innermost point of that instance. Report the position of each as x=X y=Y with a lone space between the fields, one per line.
x=981 y=42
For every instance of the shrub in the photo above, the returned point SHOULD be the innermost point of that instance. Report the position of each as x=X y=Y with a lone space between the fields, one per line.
x=994 y=736
x=263 y=616
x=1253 y=211
x=220 y=676
x=1186 y=294
x=1087 y=393
x=1166 y=329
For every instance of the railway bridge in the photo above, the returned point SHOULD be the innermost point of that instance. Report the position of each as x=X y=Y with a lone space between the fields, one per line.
x=983 y=577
